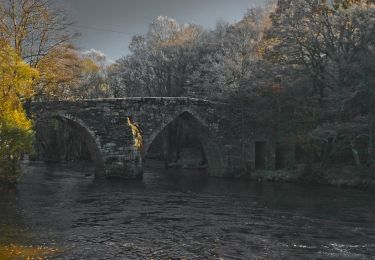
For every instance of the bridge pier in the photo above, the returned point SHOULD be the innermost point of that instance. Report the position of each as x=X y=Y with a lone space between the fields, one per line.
x=125 y=170
x=123 y=163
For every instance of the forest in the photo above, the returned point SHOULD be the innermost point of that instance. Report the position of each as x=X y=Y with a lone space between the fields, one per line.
x=308 y=65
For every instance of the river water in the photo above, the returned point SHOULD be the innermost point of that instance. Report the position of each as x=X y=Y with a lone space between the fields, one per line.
x=179 y=214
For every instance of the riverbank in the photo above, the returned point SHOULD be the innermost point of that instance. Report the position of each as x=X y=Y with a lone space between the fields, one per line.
x=340 y=176
x=350 y=176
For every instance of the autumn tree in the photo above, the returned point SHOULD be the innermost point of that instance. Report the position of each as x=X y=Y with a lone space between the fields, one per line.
x=92 y=79
x=61 y=73
x=16 y=134
x=39 y=32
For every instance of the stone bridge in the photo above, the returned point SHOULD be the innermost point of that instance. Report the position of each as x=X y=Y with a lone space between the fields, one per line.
x=107 y=124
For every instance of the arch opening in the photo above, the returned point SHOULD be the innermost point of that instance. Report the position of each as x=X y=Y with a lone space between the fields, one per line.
x=63 y=139
x=185 y=142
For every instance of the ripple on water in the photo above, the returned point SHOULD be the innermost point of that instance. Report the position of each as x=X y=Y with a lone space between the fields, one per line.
x=168 y=215
x=14 y=252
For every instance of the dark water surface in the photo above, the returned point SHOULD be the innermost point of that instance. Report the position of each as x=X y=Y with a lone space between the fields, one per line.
x=185 y=215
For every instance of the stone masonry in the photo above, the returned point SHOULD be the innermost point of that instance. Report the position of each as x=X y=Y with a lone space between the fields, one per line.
x=228 y=142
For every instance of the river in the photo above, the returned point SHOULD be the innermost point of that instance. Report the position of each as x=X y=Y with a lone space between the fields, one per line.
x=180 y=214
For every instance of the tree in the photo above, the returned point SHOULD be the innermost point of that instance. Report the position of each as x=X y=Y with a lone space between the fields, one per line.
x=92 y=76
x=160 y=60
x=33 y=27
x=16 y=134
x=327 y=49
x=38 y=30
x=61 y=71
x=185 y=60
x=323 y=41
x=114 y=81
x=70 y=74
x=229 y=60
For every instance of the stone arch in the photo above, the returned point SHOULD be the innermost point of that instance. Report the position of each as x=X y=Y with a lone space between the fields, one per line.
x=210 y=144
x=91 y=139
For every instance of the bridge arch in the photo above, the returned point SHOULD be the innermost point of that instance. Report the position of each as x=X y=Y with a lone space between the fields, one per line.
x=91 y=139
x=210 y=145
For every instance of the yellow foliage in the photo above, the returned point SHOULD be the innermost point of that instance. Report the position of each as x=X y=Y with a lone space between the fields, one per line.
x=89 y=66
x=16 y=77
x=66 y=74
x=16 y=85
x=61 y=66
x=268 y=44
x=137 y=135
x=186 y=35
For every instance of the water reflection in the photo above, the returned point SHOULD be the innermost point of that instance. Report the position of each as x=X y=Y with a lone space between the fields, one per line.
x=179 y=213
x=12 y=252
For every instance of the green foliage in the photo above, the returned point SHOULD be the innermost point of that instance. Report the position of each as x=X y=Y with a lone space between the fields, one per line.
x=16 y=138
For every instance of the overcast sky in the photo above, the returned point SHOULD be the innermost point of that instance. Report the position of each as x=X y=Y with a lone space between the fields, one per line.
x=133 y=16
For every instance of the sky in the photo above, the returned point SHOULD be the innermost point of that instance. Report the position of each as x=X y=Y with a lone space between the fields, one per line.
x=108 y=25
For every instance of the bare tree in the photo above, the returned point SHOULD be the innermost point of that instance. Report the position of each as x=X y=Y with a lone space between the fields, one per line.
x=39 y=32
x=34 y=27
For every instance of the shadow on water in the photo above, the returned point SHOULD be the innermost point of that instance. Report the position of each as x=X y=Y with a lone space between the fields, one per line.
x=183 y=213
x=17 y=241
